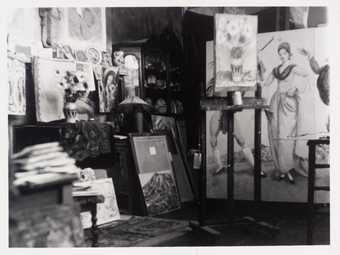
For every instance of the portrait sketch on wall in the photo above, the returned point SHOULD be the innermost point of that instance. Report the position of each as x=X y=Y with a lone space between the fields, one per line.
x=16 y=86
x=87 y=26
x=235 y=51
x=79 y=28
x=108 y=90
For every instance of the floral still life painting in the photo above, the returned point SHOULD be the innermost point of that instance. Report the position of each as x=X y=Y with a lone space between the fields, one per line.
x=235 y=51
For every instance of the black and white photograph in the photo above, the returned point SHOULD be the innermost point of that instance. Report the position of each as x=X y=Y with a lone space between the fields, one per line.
x=191 y=125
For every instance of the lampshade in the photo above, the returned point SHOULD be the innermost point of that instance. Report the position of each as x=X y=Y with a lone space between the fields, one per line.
x=133 y=103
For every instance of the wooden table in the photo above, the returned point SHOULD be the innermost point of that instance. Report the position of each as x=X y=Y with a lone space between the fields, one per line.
x=89 y=203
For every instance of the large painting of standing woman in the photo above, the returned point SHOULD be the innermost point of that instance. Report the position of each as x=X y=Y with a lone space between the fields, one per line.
x=284 y=122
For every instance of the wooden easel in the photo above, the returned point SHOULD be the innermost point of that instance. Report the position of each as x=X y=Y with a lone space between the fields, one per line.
x=225 y=104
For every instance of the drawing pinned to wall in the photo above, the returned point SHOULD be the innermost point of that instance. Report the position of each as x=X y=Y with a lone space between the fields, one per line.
x=16 y=86
x=78 y=27
x=53 y=28
x=87 y=26
x=235 y=51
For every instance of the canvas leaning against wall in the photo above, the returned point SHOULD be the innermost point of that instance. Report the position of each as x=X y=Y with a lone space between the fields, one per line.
x=107 y=211
x=297 y=110
x=155 y=174
x=299 y=113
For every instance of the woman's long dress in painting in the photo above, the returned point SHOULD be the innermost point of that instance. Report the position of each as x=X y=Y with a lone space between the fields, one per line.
x=288 y=117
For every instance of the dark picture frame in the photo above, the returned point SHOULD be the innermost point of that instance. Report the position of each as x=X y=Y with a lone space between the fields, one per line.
x=157 y=186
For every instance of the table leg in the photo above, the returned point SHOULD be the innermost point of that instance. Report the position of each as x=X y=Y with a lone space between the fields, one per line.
x=94 y=227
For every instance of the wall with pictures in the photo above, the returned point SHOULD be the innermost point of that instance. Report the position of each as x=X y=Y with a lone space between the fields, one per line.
x=299 y=114
x=72 y=34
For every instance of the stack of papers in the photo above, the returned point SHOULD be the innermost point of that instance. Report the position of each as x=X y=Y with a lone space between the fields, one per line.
x=42 y=163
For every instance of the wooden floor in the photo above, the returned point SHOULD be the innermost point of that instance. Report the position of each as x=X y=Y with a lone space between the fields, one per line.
x=292 y=226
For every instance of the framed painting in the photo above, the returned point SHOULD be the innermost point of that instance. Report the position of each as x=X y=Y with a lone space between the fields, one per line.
x=180 y=163
x=235 y=52
x=16 y=86
x=155 y=173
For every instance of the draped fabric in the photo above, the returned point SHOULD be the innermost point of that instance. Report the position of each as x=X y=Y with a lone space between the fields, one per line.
x=197 y=30
x=86 y=139
x=284 y=74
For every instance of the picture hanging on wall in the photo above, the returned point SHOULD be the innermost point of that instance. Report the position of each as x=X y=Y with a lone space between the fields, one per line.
x=49 y=94
x=108 y=90
x=16 y=86
x=80 y=28
x=86 y=26
x=155 y=174
x=235 y=51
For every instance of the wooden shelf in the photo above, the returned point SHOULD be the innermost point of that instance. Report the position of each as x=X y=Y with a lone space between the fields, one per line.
x=220 y=104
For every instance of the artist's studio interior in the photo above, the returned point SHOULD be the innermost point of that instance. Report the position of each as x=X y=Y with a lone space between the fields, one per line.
x=168 y=126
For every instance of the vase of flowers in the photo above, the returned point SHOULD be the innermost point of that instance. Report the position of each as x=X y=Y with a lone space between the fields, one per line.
x=75 y=86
